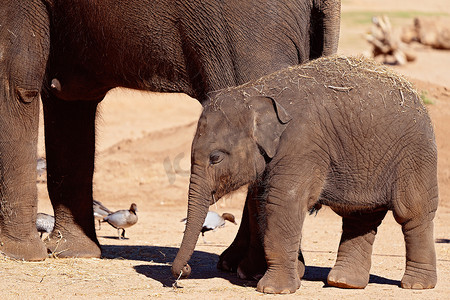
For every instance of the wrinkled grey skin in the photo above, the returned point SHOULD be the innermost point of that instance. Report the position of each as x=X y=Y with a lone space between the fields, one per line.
x=338 y=131
x=73 y=52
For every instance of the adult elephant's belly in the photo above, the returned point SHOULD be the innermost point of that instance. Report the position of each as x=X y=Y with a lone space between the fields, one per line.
x=91 y=80
x=76 y=85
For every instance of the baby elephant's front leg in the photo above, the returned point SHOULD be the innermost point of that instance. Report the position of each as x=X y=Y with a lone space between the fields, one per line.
x=285 y=211
x=281 y=242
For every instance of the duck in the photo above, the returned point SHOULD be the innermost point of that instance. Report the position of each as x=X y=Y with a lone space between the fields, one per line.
x=213 y=221
x=122 y=219
x=41 y=166
x=44 y=223
x=100 y=212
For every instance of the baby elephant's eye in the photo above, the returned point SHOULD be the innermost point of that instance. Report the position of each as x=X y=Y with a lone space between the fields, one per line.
x=216 y=157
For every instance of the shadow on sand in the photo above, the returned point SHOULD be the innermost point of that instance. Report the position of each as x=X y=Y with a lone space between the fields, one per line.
x=160 y=259
x=203 y=266
x=320 y=274
x=442 y=241
x=110 y=237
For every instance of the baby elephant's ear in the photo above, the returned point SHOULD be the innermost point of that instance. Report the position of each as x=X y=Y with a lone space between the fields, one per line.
x=270 y=120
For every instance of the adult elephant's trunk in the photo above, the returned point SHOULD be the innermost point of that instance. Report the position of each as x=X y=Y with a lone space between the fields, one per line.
x=198 y=205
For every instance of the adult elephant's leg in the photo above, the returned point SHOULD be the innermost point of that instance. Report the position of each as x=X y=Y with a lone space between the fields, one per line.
x=70 y=149
x=352 y=266
x=24 y=47
x=229 y=260
x=19 y=238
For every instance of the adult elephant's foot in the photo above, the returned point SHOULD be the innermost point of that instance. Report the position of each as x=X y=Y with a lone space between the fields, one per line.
x=230 y=259
x=348 y=277
x=32 y=249
x=419 y=276
x=284 y=281
x=63 y=245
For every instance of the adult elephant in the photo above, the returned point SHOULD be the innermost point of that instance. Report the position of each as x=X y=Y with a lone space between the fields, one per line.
x=73 y=52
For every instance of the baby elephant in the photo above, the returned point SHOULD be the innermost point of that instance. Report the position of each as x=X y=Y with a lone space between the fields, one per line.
x=339 y=131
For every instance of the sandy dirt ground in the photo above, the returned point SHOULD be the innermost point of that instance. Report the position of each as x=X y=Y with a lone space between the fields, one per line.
x=143 y=152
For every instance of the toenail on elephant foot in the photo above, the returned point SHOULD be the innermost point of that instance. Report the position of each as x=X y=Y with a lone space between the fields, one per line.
x=278 y=285
x=347 y=280
x=410 y=281
x=415 y=286
x=29 y=250
x=272 y=290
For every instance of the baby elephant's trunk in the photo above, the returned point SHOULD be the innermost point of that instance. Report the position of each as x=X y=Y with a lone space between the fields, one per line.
x=197 y=210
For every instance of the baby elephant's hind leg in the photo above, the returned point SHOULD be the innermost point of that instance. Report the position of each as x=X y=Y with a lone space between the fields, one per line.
x=355 y=250
x=420 y=270
x=415 y=209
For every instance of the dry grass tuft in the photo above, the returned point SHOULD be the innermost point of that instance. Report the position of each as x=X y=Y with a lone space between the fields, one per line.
x=336 y=67
x=338 y=73
x=359 y=66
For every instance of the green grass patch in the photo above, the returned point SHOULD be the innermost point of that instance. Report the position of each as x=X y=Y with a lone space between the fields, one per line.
x=426 y=98
x=365 y=17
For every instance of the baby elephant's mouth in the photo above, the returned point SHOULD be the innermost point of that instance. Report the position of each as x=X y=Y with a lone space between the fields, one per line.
x=222 y=191
x=216 y=196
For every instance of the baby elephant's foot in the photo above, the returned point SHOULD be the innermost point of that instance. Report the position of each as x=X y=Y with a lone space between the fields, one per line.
x=348 y=278
x=252 y=270
x=230 y=259
x=419 y=276
x=279 y=282
x=252 y=267
x=301 y=266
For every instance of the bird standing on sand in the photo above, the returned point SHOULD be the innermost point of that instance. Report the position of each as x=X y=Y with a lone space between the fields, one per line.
x=122 y=219
x=44 y=223
x=100 y=212
x=213 y=221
